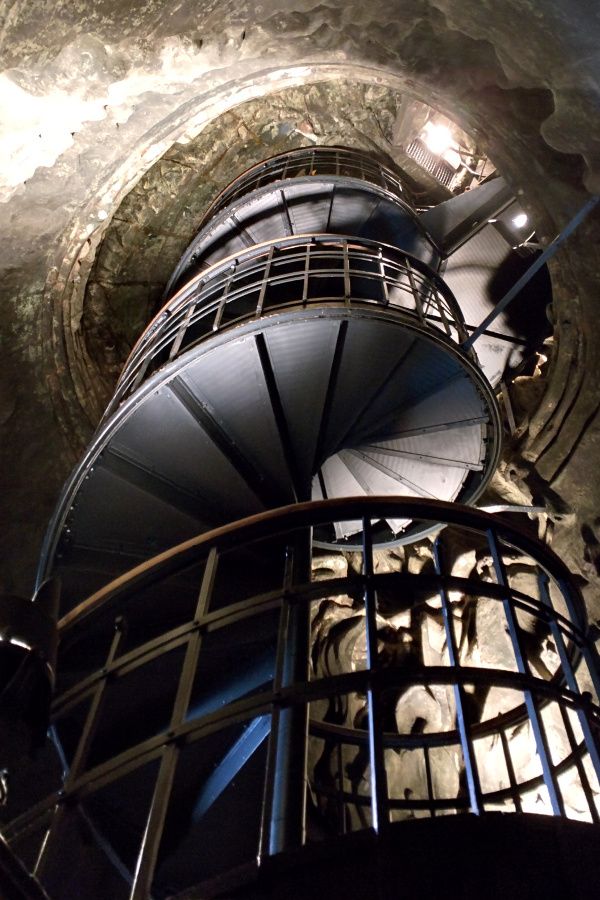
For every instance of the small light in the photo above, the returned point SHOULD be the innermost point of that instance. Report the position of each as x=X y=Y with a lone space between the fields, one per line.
x=437 y=138
x=17 y=643
x=520 y=221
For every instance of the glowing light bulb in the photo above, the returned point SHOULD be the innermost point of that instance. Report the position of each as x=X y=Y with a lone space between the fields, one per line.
x=438 y=138
x=520 y=221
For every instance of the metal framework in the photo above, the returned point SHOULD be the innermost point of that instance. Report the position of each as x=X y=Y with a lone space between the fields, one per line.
x=194 y=695
x=306 y=271
x=342 y=162
x=365 y=786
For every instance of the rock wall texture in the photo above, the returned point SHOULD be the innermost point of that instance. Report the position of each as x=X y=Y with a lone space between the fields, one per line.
x=108 y=110
x=412 y=637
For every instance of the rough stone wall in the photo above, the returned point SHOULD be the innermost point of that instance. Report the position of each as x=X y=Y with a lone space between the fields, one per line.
x=412 y=636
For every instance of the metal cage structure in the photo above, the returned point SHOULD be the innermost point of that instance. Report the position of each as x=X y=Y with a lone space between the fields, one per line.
x=278 y=748
x=342 y=162
x=239 y=681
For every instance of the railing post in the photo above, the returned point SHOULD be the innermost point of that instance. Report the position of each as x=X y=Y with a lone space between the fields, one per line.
x=535 y=717
x=468 y=750
x=379 y=793
x=570 y=678
x=159 y=804
x=286 y=774
x=80 y=757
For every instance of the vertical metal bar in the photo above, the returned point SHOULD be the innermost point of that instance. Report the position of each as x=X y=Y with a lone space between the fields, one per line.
x=347 y=287
x=289 y=732
x=329 y=214
x=379 y=792
x=223 y=300
x=468 y=750
x=539 y=732
x=588 y=649
x=148 y=852
x=181 y=331
x=442 y=312
x=265 y=282
x=91 y=722
x=287 y=224
x=306 y=271
x=83 y=749
x=415 y=291
x=264 y=841
x=430 y=795
x=583 y=777
x=384 y=286
x=146 y=862
x=512 y=780
x=569 y=674
x=141 y=373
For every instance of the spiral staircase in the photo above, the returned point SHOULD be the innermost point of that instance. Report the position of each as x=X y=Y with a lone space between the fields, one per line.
x=308 y=351
x=308 y=348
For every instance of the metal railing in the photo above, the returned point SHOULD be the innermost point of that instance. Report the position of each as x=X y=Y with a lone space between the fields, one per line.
x=296 y=271
x=306 y=161
x=518 y=729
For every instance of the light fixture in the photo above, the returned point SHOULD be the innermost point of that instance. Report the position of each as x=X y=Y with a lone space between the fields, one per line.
x=437 y=138
x=520 y=221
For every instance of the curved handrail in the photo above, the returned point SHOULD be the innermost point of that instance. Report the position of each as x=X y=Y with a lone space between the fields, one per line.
x=320 y=160
x=556 y=692
x=364 y=267
x=314 y=513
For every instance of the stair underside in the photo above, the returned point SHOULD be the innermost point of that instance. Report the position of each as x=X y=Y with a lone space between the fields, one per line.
x=330 y=402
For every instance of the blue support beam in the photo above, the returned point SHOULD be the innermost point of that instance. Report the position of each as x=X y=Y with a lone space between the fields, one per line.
x=533 y=268
x=231 y=764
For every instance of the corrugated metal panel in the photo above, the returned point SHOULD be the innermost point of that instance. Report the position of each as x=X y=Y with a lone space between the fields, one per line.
x=427 y=479
x=371 y=351
x=378 y=482
x=301 y=355
x=309 y=214
x=423 y=371
x=438 y=450
x=230 y=381
x=165 y=437
x=116 y=515
x=456 y=402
